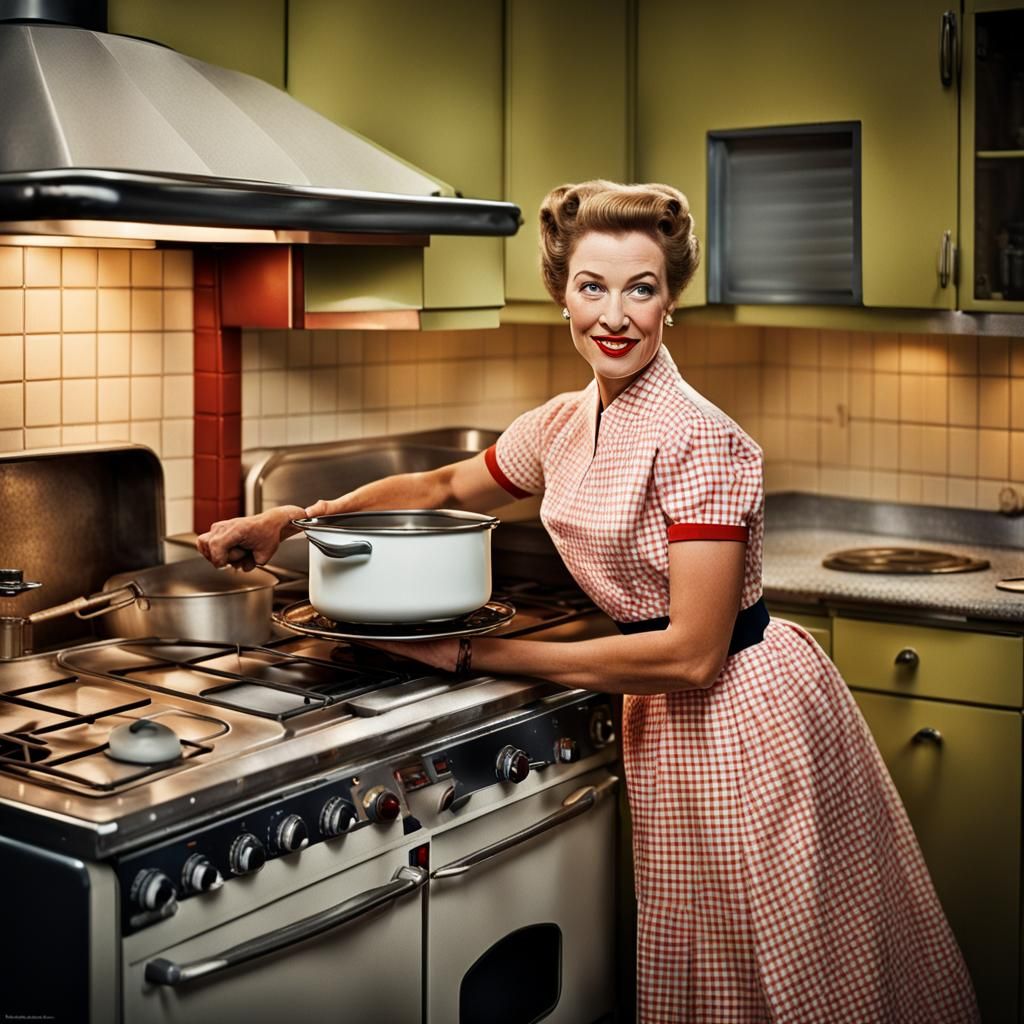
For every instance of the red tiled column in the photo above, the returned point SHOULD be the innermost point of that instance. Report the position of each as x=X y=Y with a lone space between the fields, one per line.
x=218 y=401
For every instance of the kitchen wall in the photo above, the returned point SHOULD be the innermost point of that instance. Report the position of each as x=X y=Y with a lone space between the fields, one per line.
x=96 y=345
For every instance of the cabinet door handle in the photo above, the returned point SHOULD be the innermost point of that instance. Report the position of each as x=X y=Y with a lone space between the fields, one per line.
x=948 y=49
x=947 y=260
x=928 y=735
x=908 y=658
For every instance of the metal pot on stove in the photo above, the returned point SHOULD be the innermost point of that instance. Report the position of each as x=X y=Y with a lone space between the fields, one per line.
x=399 y=566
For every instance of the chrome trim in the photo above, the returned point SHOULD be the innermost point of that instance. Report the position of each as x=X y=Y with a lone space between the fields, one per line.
x=348 y=522
x=576 y=803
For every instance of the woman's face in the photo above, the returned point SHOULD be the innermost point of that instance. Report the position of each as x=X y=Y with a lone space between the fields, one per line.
x=617 y=299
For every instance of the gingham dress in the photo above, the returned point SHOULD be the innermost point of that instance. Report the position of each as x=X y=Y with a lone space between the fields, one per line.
x=777 y=875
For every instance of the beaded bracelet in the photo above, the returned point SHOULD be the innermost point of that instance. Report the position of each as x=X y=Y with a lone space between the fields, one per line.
x=464 y=660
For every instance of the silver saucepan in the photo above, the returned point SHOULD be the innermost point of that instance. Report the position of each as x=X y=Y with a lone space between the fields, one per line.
x=189 y=600
x=409 y=565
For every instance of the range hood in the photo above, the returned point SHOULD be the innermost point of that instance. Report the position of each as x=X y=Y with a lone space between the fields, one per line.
x=110 y=136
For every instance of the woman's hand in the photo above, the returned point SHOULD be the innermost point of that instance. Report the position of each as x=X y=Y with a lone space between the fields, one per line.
x=442 y=654
x=323 y=507
x=248 y=541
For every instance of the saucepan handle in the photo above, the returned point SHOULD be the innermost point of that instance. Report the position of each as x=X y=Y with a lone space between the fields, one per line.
x=356 y=547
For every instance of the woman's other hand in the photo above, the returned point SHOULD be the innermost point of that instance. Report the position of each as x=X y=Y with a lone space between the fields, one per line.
x=324 y=507
x=250 y=540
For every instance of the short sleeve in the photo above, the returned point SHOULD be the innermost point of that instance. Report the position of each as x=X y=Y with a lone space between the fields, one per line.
x=515 y=460
x=710 y=482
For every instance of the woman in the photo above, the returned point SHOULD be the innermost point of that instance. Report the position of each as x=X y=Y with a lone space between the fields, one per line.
x=777 y=874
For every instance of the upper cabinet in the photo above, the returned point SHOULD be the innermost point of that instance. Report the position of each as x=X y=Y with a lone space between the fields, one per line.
x=425 y=82
x=992 y=157
x=746 y=64
x=567 y=103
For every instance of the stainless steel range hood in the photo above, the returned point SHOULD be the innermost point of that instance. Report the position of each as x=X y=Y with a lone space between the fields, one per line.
x=112 y=136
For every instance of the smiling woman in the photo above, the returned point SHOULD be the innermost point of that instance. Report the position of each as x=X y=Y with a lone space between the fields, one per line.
x=778 y=877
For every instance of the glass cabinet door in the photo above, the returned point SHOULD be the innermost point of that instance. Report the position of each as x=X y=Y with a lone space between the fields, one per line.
x=992 y=158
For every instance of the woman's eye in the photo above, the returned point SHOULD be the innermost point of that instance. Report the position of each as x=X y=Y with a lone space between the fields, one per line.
x=590 y=287
x=644 y=291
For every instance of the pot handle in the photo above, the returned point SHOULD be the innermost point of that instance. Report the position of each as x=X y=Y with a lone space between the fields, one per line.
x=357 y=547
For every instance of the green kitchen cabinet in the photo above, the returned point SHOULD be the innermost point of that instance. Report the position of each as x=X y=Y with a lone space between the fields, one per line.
x=958 y=771
x=744 y=64
x=567 y=103
x=426 y=83
x=944 y=706
x=992 y=157
x=245 y=35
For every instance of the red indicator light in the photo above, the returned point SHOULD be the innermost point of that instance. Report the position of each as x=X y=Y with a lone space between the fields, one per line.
x=420 y=857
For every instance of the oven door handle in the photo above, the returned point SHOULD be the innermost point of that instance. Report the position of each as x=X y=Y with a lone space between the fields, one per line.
x=405 y=880
x=576 y=803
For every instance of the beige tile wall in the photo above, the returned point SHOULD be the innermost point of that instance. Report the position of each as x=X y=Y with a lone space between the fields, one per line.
x=304 y=386
x=924 y=419
x=96 y=346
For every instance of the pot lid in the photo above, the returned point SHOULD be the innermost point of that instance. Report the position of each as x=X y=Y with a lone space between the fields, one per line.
x=144 y=741
x=399 y=521
x=193 y=577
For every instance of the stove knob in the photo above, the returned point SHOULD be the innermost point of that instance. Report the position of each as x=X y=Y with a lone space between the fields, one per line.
x=566 y=750
x=602 y=727
x=291 y=834
x=336 y=817
x=513 y=764
x=199 y=875
x=153 y=890
x=247 y=854
x=381 y=805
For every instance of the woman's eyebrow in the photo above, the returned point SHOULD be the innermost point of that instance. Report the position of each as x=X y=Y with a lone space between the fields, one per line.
x=598 y=277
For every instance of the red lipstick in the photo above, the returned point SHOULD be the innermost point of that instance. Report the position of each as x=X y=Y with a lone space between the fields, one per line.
x=617 y=340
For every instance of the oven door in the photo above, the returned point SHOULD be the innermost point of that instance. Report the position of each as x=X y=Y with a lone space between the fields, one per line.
x=347 y=947
x=522 y=909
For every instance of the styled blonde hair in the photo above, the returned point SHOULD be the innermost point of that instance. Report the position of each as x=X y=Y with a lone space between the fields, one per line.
x=571 y=211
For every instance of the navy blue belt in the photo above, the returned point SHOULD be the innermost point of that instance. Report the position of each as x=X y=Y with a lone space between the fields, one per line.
x=749 y=629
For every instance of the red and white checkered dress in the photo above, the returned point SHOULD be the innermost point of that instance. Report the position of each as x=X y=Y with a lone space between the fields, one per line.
x=778 y=878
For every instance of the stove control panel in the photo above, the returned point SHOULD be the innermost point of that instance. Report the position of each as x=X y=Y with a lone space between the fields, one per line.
x=509 y=754
x=155 y=880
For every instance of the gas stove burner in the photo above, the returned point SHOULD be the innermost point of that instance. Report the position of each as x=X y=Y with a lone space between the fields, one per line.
x=302 y=617
x=902 y=561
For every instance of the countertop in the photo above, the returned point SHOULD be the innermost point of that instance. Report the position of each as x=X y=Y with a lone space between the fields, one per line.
x=799 y=534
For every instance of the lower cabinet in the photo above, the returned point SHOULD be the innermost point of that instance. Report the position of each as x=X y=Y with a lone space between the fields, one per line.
x=944 y=706
x=958 y=770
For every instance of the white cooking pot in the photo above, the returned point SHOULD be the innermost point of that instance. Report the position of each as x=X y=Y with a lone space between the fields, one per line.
x=403 y=566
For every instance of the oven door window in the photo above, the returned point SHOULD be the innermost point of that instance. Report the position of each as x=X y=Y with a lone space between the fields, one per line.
x=517 y=981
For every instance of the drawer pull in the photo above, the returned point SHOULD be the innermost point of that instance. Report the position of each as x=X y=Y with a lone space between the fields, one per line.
x=907 y=658
x=928 y=735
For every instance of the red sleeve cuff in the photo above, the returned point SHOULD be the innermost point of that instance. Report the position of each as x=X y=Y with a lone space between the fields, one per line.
x=491 y=458
x=707 y=531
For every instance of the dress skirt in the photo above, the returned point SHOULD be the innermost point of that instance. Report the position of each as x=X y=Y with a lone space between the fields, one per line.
x=778 y=877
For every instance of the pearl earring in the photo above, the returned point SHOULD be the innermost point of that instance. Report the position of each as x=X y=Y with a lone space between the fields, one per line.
x=565 y=312
x=669 y=322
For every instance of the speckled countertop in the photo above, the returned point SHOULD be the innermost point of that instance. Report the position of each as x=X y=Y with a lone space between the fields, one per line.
x=800 y=532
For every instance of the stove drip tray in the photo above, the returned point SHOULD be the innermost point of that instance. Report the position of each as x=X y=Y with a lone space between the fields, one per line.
x=902 y=561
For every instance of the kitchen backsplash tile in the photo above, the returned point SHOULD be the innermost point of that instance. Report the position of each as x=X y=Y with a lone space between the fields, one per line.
x=77 y=373
x=99 y=346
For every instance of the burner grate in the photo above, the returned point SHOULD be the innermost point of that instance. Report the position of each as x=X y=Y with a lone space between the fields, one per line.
x=901 y=561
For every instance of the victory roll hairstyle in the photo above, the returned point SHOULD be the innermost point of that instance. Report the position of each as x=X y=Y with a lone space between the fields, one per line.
x=571 y=211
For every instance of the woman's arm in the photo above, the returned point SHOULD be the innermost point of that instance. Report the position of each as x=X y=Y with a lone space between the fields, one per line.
x=706 y=580
x=252 y=540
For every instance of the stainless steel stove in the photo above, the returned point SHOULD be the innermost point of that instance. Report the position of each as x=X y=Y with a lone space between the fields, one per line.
x=304 y=764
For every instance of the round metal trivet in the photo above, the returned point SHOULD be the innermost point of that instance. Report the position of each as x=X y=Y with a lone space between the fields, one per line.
x=302 y=617
x=902 y=561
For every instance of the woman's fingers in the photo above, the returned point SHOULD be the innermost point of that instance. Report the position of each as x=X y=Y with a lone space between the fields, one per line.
x=319 y=508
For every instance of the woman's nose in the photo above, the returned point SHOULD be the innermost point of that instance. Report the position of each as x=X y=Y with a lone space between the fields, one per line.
x=613 y=316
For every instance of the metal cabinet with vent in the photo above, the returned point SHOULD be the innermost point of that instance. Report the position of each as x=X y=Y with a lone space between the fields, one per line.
x=706 y=68
x=944 y=707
